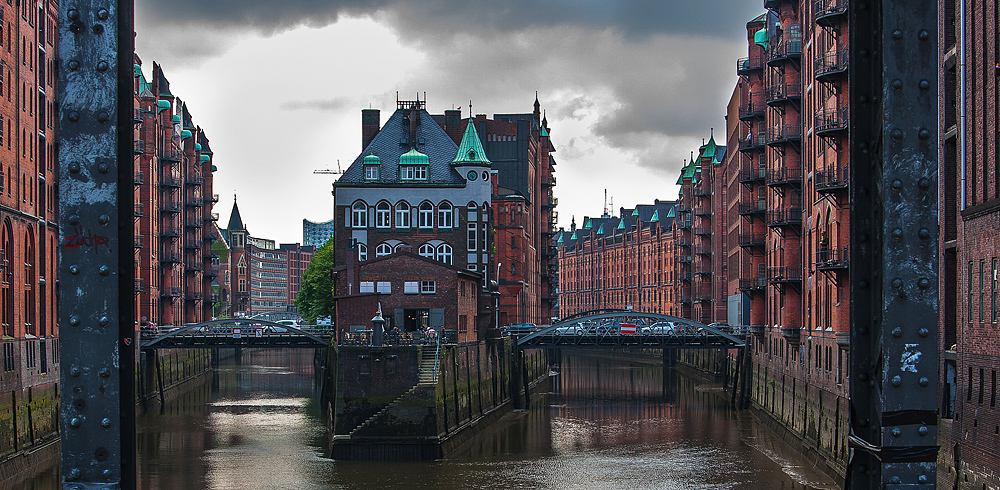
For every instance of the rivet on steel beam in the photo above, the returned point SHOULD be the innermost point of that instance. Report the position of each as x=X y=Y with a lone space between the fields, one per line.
x=74 y=320
x=895 y=480
x=74 y=269
x=73 y=116
x=897 y=233
x=897 y=184
x=98 y=28
x=105 y=422
x=74 y=167
x=924 y=35
x=897 y=34
x=103 y=116
x=103 y=167
x=897 y=283
x=74 y=219
x=102 y=66
x=105 y=372
x=74 y=372
x=924 y=283
x=924 y=233
x=922 y=430
x=896 y=134
x=104 y=219
x=924 y=85
x=104 y=270
x=897 y=332
x=73 y=14
x=923 y=332
x=74 y=474
x=922 y=478
x=74 y=422
x=924 y=183
x=897 y=84
x=896 y=432
x=897 y=381
x=104 y=321
x=73 y=65
x=924 y=133
x=923 y=381
x=103 y=14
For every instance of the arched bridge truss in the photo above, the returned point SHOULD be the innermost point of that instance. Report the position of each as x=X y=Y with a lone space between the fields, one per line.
x=651 y=331
x=235 y=332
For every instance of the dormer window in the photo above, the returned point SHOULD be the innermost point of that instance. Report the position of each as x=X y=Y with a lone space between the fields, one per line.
x=371 y=172
x=413 y=172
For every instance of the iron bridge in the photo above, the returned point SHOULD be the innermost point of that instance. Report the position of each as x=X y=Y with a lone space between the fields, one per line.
x=235 y=332
x=652 y=331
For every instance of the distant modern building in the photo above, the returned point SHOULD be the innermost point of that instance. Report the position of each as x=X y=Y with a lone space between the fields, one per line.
x=316 y=234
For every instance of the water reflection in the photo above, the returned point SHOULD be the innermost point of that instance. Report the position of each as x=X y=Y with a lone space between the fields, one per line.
x=604 y=423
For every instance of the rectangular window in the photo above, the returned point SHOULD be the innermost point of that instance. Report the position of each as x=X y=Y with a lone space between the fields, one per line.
x=472 y=236
x=371 y=172
x=428 y=287
x=968 y=312
x=993 y=292
x=367 y=287
x=982 y=291
x=411 y=287
x=384 y=287
x=463 y=323
x=405 y=173
x=420 y=173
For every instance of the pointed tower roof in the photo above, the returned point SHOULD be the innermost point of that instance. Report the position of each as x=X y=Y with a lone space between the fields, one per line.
x=470 y=150
x=708 y=151
x=235 y=221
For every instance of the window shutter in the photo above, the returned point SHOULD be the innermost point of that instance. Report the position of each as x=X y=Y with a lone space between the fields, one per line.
x=437 y=317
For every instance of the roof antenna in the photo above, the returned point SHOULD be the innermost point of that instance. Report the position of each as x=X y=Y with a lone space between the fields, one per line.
x=470 y=108
x=605 y=202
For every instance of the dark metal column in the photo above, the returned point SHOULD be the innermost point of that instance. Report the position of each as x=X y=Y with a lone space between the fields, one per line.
x=894 y=230
x=95 y=244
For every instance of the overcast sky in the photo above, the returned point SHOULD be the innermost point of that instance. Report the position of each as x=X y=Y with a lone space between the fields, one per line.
x=630 y=88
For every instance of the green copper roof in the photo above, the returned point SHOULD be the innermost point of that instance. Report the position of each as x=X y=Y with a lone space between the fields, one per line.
x=545 y=132
x=600 y=231
x=214 y=168
x=205 y=158
x=671 y=214
x=414 y=157
x=197 y=147
x=176 y=119
x=656 y=216
x=560 y=240
x=372 y=160
x=635 y=212
x=185 y=134
x=470 y=151
x=587 y=224
x=760 y=38
x=708 y=151
x=574 y=236
x=162 y=104
x=621 y=224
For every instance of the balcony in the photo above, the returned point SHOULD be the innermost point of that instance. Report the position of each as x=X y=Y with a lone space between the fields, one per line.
x=193 y=179
x=832 y=179
x=831 y=259
x=193 y=265
x=139 y=147
x=683 y=242
x=170 y=155
x=784 y=275
x=139 y=285
x=703 y=250
x=784 y=217
x=170 y=180
x=750 y=64
x=194 y=201
x=212 y=217
x=703 y=211
x=684 y=259
x=195 y=296
x=551 y=202
x=194 y=223
x=684 y=225
x=829 y=12
x=138 y=241
x=703 y=294
x=752 y=110
x=549 y=183
x=703 y=272
x=783 y=91
x=750 y=174
x=139 y=211
x=831 y=122
x=170 y=207
x=703 y=230
x=757 y=284
x=214 y=198
x=789 y=50
x=785 y=133
x=170 y=232
x=826 y=67
x=136 y=115
x=753 y=142
x=784 y=176
x=192 y=242
x=702 y=190
x=750 y=240
x=170 y=292
x=683 y=298
x=686 y=276
x=754 y=206
x=170 y=257
x=138 y=178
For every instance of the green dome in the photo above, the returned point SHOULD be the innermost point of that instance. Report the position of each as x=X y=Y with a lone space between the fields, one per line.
x=372 y=160
x=413 y=157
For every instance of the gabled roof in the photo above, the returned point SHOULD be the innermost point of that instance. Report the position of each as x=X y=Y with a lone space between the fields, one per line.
x=708 y=150
x=186 y=117
x=470 y=151
x=162 y=84
x=235 y=221
x=391 y=143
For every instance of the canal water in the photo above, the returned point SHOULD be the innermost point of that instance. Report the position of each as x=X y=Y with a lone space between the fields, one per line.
x=601 y=423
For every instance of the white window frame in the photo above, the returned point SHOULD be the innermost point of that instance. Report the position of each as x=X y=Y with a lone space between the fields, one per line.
x=371 y=172
x=411 y=287
x=426 y=214
x=420 y=172
x=367 y=287
x=428 y=287
x=445 y=253
x=406 y=172
x=427 y=250
x=359 y=215
x=383 y=249
x=403 y=215
x=383 y=215
x=362 y=252
x=473 y=241
x=383 y=287
x=445 y=214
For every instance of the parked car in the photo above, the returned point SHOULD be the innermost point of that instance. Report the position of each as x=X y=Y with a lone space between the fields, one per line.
x=575 y=329
x=660 y=328
x=609 y=328
x=520 y=329
x=722 y=327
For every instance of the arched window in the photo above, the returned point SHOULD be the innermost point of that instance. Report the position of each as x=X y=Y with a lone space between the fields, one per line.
x=6 y=279
x=398 y=247
x=444 y=253
x=444 y=215
x=29 y=285
x=359 y=215
x=402 y=214
x=426 y=215
x=362 y=251
x=427 y=250
x=383 y=215
x=383 y=249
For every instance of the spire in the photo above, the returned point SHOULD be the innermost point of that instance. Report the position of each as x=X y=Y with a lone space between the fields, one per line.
x=235 y=222
x=470 y=151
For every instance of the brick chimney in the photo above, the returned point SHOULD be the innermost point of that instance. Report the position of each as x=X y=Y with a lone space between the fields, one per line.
x=370 y=123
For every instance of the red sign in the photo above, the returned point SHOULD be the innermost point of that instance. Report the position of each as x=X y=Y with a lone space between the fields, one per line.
x=236 y=333
x=628 y=329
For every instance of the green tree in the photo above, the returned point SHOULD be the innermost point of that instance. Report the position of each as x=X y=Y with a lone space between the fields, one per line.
x=315 y=298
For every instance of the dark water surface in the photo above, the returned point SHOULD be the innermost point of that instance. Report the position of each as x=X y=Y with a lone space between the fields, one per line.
x=604 y=423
